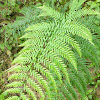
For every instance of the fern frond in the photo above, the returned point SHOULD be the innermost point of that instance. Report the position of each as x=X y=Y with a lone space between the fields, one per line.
x=30 y=92
x=80 y=30
x=29 y=81
x=73 y=43
x=39 y=26
x=58 y=62
x=42 y=81
x=75 y=4
x=36 y=87
x=16 y=29
x=71 y=90
x=48 y=11
x=60 y=48
x=77 y=84
x=47 y=74
x=14 y=84
x=18 y=76
x=80 y=13
x=66 y=93
x=50 y=61
x=23 y=96
x=13 y=90
x=13 y=98
x=52 y=66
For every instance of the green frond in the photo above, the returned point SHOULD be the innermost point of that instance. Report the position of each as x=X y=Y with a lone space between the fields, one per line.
x=12 y=90
x=13 y=98
x=14 y=84
x=52 y=62
x=60 y=48
x=70 y=41
x=71 y=90
x=66 y=93
x=18 y=68
x=77 y=84
x=42 y=81
x=30 y=92
x=16 y=29
x=38 y=27
x=23 y=96
x=83 y=12
x=82 y=80
x=46 y=73
x=74 y=44
x=48 y=11
x=61 y=96
x=58 y=62
x=83 y=68
x=25 y=69
x=77 y=29
x=52 y=66
x=18 y=76
x=36 y=87
x=75 y=4
x=92 y=55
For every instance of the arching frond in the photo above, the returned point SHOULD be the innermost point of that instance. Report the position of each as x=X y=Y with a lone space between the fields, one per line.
x=52 y=63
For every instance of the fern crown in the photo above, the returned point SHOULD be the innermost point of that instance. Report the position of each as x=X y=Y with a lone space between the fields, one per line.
x=52 y=62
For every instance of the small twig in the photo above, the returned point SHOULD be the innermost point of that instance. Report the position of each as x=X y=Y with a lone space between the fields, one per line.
x=11 y=67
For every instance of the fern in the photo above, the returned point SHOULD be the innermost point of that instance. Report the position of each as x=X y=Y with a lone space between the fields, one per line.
x=52 y=63
x=14 y=30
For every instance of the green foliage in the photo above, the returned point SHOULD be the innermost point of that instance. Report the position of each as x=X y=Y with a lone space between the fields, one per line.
x=52 y=64
x=94 y=5
x=8 y=7
x=91 y=92
x=12 y=31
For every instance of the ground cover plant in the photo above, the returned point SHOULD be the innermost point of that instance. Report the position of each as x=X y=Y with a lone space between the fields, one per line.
x=53 y=63
x=12 y=31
